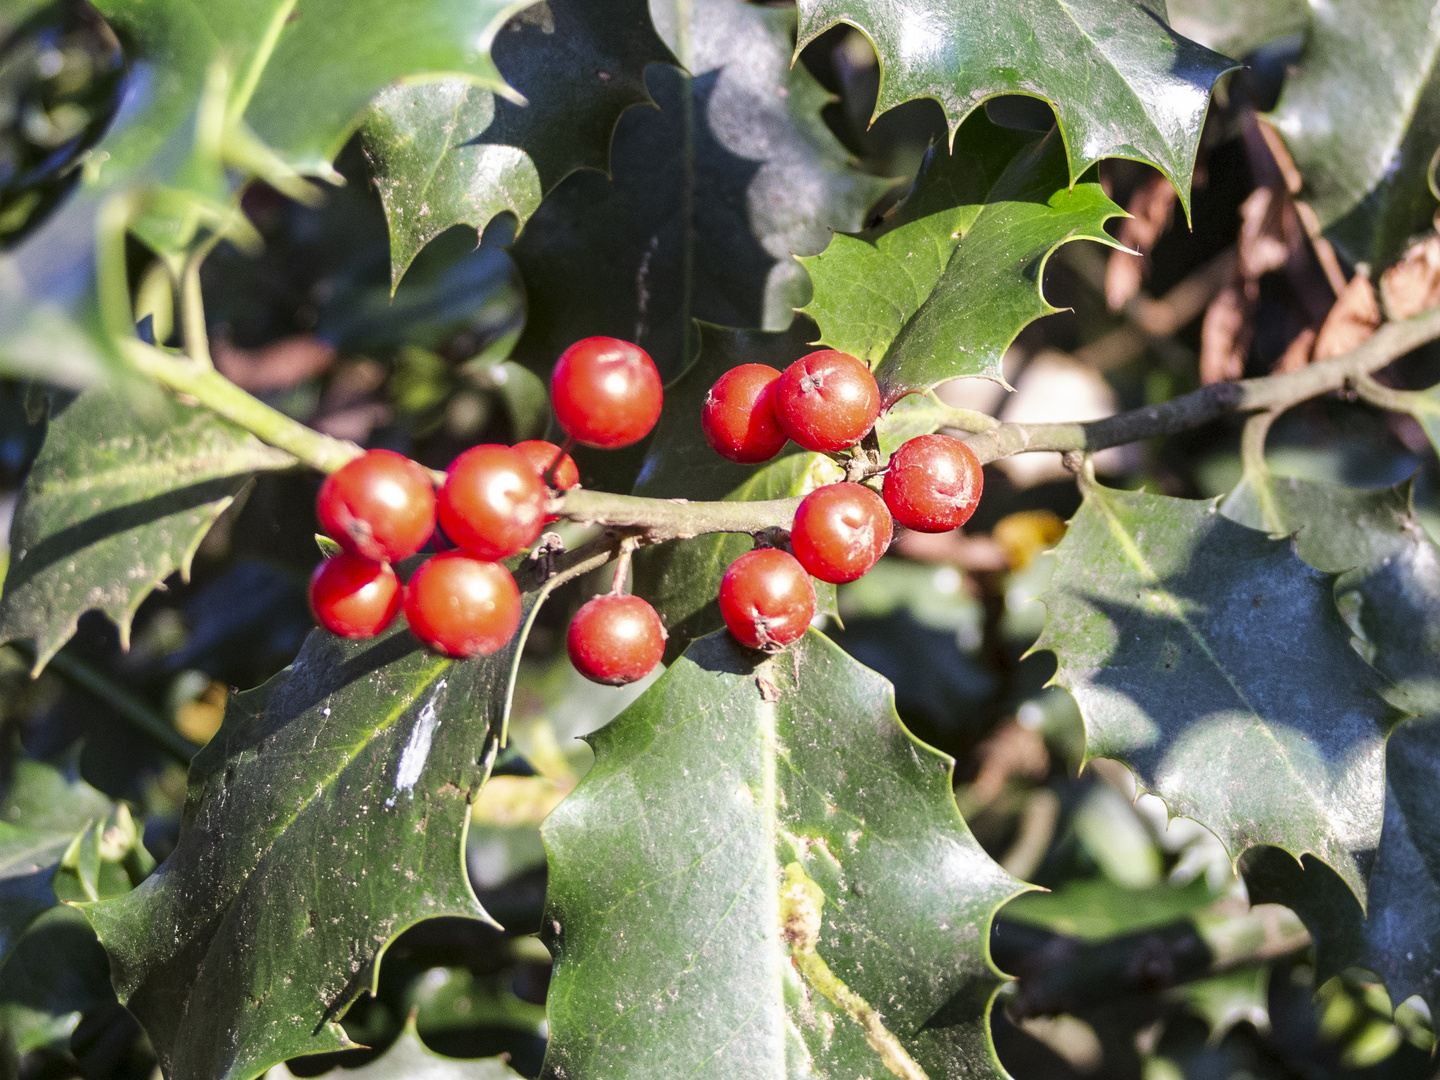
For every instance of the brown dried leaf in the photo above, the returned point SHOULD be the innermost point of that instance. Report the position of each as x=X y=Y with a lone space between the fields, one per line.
x=1355 y=316
x=1226 y=332
x=1012 y=751
x=1151 y=209
x=1265 y=241
x=277 y=366
x=350 y=407
x=1413 y=284
x=1297 y=354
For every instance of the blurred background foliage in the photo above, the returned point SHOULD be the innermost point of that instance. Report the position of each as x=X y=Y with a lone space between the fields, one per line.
x=1145 y=958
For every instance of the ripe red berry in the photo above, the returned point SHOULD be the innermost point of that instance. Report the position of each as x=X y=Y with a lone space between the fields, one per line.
x=766 y=599
x=606 y=392
x=840 y=532
x=827 y=401
x=353 y=596
x=933 y=483
x=615 y=639
x=492 y=503
x=461 y=606
x=381 y=506
x=738 y=416
x=543 y=455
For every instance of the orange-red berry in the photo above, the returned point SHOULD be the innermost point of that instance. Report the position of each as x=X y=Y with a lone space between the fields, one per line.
x=933 y=483
x=493 y=503
x=738 y=416
x=827 y=401
x=381 y=506
x=606 y=392
x=840 y=532
x=615 y=639
x=353 y=596
x=548 y=458
x=766 y=599
x=461 y=606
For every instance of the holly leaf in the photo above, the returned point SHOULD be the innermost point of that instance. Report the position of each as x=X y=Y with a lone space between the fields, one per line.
x=410 y=1059
x=126 y=485
x=269 y=88
x=1121 y=82
x=1238 y=27
x=44 y=811
x=943 y=286
x=449 y=152
x=788 y=888
x=709 y=196
x=1212 y=661
x=1388 y=588
x=1360 y=114
x=1389 y=591
x=1395 y=933
x=325 y=817
x=56 y=973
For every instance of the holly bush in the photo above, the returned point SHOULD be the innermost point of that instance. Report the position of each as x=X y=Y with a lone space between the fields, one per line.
x=1135 y=775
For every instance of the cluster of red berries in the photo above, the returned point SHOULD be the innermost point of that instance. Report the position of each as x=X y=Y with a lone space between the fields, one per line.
x=826 y=402
x=383 y=507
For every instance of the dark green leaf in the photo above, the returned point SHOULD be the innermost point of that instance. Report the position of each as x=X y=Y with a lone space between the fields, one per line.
x=1094 y=909
x=1397 y=934
x=1122 y=83
x=1241 y=995
x=943 y=286
x=449 y=152
x=1361 y=115
x=1236 y=27
x=1389 y=591
x=1212 y=661
x=43 y=812
x=757 y=853
x=326 y=816
x=56 y=973
x=410 y=1059
x=123 y=491
x=1389 y=584
x=710 y=195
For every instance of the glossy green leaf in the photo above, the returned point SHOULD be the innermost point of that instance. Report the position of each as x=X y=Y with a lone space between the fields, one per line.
x=1122 y=83
x=1389 y=571
x=56 y=973
x=1360 y=113
x=1211 y=660
x=410 y=1059
x=326 y=816
x=126 y=486
x=1237 y=27
x=942 y=287
x=1241 y=995
x=710 y=196
x=1396 y=935
x=682 y=578
x=1389 y=592
x=429 y=171
x=775 y=844
x=43 y=813
x=450 y=152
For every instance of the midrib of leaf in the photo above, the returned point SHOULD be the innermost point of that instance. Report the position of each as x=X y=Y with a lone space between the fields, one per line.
x=263 y=51
x=1176 y=611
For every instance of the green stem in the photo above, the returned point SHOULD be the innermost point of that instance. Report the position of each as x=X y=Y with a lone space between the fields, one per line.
x=673 y=519
x=140 y=715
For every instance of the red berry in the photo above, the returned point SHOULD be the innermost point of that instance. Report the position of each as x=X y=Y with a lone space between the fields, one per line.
x=739 y=415
x=840 y=532
x=381 y=506
x=461 y=606
x=766 y=599
x=616 y=639
x=543 y=455
x=606 y=392
x=492 y=503
x=827 y=401
x=353 y=596
x=933 y=483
